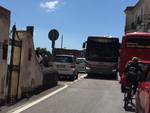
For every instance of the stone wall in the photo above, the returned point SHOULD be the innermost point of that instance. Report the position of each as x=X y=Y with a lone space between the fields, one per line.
x=31 y=76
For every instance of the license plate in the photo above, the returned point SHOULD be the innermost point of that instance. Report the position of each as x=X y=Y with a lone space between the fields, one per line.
x=61 y=66
x=100 y=72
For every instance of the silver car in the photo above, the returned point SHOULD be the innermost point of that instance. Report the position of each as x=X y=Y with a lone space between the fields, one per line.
x=80 y=64
x=66 y=66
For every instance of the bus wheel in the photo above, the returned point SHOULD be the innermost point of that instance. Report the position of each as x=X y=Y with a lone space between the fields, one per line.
x=89 y=75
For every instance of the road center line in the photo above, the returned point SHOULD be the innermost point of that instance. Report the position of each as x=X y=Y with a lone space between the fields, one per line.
x=38 y=101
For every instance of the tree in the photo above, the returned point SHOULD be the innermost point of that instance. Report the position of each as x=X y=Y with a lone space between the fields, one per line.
x=44 y=51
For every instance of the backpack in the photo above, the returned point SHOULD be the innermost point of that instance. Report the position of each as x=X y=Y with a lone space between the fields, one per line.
x=132 y=74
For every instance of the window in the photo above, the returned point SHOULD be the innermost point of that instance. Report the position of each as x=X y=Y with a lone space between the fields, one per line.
x=29 y=54
x=139 y=42
x=133 y=26
x=98 y=51
x=5 y=49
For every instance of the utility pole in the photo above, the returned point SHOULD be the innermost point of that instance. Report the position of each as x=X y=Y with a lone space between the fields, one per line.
x=62 y=41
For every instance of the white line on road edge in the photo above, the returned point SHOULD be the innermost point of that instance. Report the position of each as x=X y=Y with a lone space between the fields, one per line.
x=81 y=77
x=38 y=101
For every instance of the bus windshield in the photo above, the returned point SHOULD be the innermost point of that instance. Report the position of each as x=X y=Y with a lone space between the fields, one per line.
x=102 y=51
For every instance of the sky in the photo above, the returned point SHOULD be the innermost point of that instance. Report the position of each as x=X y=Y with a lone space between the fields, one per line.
x=74 y=19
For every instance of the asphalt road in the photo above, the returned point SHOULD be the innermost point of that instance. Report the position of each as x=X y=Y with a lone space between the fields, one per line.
x=83 y=96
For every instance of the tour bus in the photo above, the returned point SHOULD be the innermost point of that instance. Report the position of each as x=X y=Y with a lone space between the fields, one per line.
x=101 y=54
x=136 y=44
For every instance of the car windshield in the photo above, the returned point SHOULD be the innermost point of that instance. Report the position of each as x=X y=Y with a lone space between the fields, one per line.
x=64 y=59
x=80 y=60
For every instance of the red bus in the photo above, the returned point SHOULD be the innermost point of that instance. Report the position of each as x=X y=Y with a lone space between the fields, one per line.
x=136 y=44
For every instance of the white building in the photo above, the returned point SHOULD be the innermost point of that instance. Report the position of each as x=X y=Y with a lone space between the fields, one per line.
x=138 y=17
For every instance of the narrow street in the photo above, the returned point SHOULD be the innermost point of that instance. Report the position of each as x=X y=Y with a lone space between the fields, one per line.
x=86 y=95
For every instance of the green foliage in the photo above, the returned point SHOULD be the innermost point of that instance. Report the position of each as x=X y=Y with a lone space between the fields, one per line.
x=43 y=51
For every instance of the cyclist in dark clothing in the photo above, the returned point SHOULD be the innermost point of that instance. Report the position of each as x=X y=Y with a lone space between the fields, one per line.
x=133 y=71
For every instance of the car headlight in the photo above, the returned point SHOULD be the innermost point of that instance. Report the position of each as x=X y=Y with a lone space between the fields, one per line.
x=114 y=70
x=87 y=68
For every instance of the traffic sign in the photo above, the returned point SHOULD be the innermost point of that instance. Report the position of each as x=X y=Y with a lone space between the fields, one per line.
x=53 y=35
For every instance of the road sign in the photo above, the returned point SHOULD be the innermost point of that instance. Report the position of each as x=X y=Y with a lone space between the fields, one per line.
x=53 y=35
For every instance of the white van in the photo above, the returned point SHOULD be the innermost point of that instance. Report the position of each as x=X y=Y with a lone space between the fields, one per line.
x=80 y=64
x=66 y=66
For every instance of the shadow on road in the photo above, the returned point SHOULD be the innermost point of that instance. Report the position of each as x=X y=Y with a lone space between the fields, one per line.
x=130 y=109
x=102 y=77
x=65 y=79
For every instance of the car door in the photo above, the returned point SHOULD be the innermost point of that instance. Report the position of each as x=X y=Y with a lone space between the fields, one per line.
x=143 y=95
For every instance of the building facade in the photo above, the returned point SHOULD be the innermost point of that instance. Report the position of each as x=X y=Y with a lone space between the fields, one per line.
x=138 y=17
x=20 y=71
x=26 y=74
x=4 y=34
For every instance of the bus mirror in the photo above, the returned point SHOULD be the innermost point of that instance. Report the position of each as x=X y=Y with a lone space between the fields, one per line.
x=83 y=46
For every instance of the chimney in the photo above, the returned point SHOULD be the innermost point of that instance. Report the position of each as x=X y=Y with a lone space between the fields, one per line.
x=30 y=29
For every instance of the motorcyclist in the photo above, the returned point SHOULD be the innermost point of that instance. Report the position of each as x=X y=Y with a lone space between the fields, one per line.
x=133 y=72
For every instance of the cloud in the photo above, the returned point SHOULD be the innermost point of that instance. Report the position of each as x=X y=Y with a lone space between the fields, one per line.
x=49 y=5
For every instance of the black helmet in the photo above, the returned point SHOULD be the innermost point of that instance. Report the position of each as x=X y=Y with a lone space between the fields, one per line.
x=135 y=59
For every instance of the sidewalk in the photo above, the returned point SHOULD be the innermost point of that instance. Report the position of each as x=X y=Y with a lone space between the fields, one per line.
x=25 y=101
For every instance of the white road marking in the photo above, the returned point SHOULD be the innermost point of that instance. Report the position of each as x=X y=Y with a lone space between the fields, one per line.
x=26 y=106
x=81 y=77
x=38 y=101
